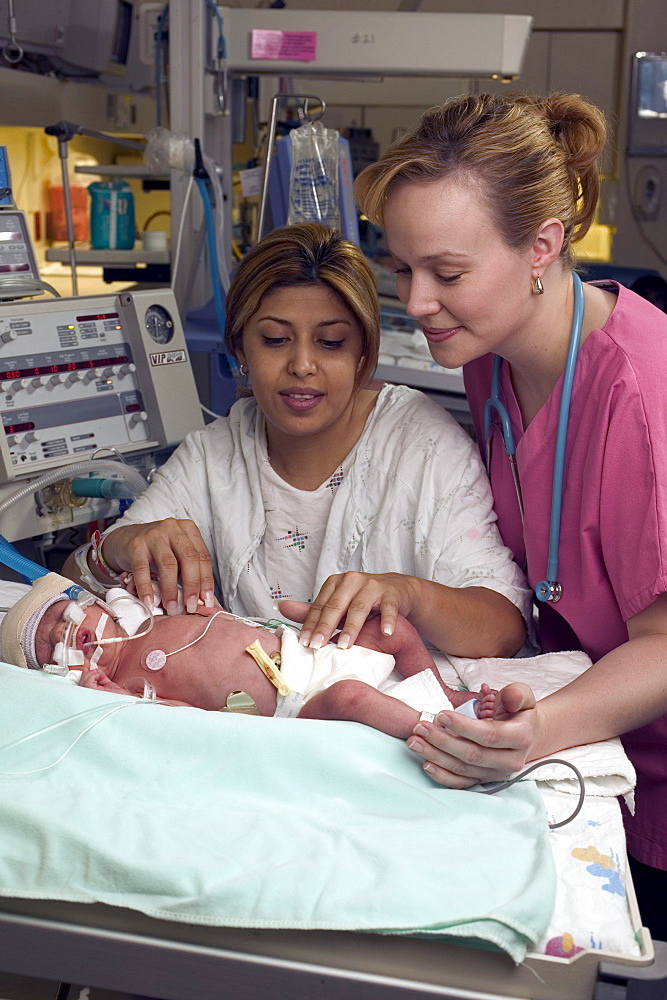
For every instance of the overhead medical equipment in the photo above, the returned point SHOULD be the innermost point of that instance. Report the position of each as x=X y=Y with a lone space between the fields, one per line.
x=309 y=42
x=549 y=589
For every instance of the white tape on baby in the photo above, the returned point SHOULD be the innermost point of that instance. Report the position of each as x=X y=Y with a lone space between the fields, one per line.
x=99 y=634
x=427 y=717
x=468 y=708
x=289 y=705
x=65 y=657
x=74 y=613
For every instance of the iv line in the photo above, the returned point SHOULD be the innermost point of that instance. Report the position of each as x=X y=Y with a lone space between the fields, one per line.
x=56 y=725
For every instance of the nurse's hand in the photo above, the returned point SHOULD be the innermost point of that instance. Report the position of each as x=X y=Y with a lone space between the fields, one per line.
x=171 y=550
x=346 y=601
x=459 y=751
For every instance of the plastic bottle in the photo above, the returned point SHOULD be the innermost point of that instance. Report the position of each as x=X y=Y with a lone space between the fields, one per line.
x=111 y=215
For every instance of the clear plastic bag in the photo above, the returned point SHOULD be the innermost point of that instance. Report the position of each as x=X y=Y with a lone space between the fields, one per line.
x=313 y=193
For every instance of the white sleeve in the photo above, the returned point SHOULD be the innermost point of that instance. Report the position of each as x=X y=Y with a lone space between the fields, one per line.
x=427 y=492
x=463 y=535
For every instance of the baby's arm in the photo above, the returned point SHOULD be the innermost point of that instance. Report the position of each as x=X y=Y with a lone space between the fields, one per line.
x=98 y=680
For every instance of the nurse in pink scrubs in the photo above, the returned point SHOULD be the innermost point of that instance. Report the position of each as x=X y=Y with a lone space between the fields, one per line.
x=482 y=203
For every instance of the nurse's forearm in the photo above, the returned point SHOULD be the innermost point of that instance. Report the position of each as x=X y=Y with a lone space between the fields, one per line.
x=624 y=690
x=466 y=621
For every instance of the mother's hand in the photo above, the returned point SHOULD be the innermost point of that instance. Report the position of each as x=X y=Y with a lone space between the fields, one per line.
x=459 y=751
x=171 y=549
x=346 y=600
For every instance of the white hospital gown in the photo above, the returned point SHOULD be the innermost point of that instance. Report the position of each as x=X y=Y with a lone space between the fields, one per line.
x=416 y=500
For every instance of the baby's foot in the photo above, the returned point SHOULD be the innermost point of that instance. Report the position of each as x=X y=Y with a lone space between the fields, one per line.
x=486 y=702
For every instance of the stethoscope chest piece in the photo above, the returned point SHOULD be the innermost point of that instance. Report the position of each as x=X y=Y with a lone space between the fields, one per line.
x=546 y=591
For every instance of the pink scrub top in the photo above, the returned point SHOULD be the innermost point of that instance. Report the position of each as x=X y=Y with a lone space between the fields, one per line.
x=613 y=542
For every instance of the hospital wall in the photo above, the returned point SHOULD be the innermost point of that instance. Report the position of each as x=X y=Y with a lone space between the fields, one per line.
x=586 y=47
x=582 y=47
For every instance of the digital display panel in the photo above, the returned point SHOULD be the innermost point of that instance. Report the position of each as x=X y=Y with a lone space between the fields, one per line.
x=69 y=366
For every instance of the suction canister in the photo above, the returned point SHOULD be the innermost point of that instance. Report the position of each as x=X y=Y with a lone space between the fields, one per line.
x=111 y=215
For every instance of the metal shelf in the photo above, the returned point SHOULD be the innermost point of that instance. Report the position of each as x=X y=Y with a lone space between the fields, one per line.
x=109 y=258
x=120 y=170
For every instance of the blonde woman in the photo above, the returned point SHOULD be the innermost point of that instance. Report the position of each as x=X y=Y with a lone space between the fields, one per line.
x=317 y=477
x=482 y=203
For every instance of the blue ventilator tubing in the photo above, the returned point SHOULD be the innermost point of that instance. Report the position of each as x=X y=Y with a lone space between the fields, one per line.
x=108 y=488
x=29 y=570
x=212 y=252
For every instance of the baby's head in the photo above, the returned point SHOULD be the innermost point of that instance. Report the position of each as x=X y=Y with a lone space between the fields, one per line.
x=56 y=623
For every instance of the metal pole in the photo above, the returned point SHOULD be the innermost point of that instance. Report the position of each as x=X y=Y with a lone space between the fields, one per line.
x=67 y=198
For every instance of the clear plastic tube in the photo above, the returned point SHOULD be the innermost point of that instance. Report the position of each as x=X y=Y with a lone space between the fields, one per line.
x=100 y=465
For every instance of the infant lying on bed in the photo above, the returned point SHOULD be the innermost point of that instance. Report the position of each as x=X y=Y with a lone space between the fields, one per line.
x=201 y=659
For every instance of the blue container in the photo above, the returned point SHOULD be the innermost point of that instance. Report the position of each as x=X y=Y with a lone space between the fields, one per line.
x=111 y=215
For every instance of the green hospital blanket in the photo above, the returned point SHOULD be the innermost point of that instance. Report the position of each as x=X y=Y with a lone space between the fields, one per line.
x=221 y=819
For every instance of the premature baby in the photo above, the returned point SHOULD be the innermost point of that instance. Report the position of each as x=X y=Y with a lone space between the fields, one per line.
x=202 y=659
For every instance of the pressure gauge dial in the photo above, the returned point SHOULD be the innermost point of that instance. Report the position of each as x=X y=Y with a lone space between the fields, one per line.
x=159 y=324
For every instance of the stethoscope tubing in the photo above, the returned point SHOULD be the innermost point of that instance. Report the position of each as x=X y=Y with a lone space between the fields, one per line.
x=549 y=589
x=563 y=421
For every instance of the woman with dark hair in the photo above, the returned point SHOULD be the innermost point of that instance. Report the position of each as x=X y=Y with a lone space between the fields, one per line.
x=316 y=477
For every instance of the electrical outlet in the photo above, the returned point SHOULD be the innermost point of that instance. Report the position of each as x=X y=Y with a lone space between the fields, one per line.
x=647 y=194
x=149 y=15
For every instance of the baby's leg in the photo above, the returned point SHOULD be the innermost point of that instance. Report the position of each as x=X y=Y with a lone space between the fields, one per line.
x=412 y=656
x=355 y=701
x=405 y=645
x=409 y=652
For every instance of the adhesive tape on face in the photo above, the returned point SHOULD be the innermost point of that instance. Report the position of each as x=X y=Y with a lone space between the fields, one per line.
x=75 y=657
x=74 y=613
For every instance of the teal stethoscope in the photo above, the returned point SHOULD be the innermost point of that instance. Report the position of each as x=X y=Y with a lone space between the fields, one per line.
x=549 y=589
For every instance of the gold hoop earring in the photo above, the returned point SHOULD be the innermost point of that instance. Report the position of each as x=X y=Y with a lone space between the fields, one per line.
x=538 y=287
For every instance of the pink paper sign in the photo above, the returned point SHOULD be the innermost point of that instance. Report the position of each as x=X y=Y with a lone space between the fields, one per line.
x=296 y=45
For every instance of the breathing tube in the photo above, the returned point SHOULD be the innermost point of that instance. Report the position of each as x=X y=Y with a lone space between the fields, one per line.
x=134 y=479
x=29 y=570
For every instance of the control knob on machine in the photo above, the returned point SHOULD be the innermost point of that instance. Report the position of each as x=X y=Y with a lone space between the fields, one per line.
x=32 y=436
x=75 y=377
x=138 y=418
x=93 y=374
x=58 y=379
x=128 y=369
x=39 y=381
x=18 y=383
x=7 y=336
